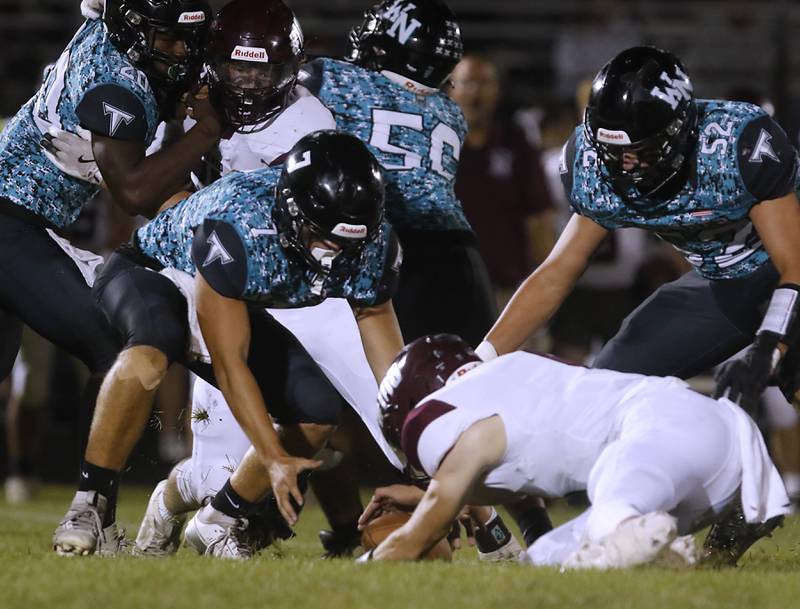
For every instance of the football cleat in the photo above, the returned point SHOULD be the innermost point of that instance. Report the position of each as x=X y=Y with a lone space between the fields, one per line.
x=20 y=489
x=634 y=542
x=212 y=533
x=81 y=532
x=158 y=535
x=731 y=536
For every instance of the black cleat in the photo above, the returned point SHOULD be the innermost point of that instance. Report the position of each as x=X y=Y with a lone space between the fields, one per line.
x=731 y=536
x=340 y=544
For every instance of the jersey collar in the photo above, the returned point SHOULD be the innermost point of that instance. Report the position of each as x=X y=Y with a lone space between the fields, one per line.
x=408 y=84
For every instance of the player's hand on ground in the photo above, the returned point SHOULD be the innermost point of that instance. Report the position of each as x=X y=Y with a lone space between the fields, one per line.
x=72 y=153
x=92 y=9
x=283 y=472
x=744 y=379
x=199 y=108
x=400 y=497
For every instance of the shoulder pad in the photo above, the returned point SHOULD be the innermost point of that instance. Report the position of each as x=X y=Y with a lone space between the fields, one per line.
x=767 y=160
x=220 y=257
x=310 y=76
x=566 y=165
x=113 y=111
x=391 y=271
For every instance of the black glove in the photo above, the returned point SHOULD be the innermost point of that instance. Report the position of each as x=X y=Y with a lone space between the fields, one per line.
x=744 y=379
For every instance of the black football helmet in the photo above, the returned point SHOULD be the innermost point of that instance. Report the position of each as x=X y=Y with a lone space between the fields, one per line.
x=332 y=187
x=642 y=102
x=419 y=39
x=254 y=55
x=421 y=367
x=132 y=27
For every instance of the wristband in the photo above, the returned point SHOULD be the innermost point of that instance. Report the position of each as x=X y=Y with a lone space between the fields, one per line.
x=486 y=351
x=782 y=311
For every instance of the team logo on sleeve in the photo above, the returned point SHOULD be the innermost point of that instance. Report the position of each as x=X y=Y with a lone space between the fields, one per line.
x=763 y=148
x=117 y=116
x=216 y=251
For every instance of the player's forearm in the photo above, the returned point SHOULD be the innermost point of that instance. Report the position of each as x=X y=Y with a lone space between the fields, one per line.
x=532 y=305
x=144 y=188
x=246 y=402
x=380 y=336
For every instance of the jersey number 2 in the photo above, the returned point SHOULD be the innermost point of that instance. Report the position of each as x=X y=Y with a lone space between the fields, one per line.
x=384 y=120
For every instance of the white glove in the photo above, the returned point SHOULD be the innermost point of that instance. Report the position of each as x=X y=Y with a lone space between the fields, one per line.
x=92 y=9
x=72 y=153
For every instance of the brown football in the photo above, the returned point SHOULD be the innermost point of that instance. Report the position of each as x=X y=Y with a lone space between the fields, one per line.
x=384 y=525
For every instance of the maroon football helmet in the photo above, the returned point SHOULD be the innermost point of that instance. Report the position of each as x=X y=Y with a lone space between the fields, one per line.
x=422 y=367
x=255 y=52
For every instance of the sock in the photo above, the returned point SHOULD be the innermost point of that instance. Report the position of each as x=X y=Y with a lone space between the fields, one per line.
x=347 y=530
x=534 y=523
x=163 y=510
x=104 y=481
x=230 y=503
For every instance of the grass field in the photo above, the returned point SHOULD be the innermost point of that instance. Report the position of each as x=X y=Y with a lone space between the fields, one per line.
x=33 y=577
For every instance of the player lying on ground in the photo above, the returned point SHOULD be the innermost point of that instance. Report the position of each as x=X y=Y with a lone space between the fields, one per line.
x=657 y=459
x=284 y=237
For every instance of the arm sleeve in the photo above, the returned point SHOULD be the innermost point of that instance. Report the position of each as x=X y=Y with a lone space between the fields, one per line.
x=113 y=111
x=220 y=256
x=767 y=160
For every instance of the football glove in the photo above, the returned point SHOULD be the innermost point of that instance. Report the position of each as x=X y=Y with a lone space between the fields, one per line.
x=72 y=153
x=744 y=379
x=92 y=9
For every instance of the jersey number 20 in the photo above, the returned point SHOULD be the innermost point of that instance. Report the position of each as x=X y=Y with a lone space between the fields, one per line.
x=384 y=120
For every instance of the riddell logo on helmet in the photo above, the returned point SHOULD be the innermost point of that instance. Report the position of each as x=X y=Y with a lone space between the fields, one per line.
x=349 y=231
x=250 y=54
x=192 y=17
x=607 y=136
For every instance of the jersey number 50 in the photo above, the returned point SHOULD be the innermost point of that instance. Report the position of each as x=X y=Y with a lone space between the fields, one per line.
x=384 y=120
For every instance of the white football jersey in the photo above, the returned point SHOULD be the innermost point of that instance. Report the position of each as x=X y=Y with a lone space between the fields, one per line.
x=558 y=419
x=256 y=150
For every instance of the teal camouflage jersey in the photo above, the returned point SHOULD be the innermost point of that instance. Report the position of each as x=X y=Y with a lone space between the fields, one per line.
x=92 y=85
x=416 y=137
x=226 y=229
x=742 y=158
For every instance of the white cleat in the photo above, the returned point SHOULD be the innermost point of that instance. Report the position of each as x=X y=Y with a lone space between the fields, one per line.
x=635 y=542
x=158 y=535
x=212 y=533
x=81 y=533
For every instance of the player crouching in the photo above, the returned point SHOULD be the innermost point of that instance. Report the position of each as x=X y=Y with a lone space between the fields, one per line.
x=657 y=459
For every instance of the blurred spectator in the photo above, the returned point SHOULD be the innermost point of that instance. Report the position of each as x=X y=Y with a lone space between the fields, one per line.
x=500 y=181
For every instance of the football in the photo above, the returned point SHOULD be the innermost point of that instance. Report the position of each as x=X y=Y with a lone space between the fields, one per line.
x=381 y=527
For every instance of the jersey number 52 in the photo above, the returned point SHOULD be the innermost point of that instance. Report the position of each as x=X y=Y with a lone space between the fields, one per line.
x=384 y=120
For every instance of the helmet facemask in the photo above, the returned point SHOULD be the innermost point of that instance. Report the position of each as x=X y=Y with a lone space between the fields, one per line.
x=652 y=162
x=250 y=92
x=297 y=231
x=139 y=41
